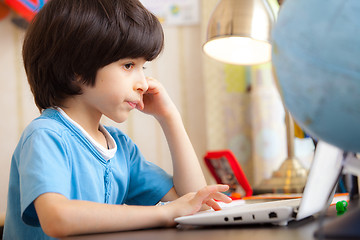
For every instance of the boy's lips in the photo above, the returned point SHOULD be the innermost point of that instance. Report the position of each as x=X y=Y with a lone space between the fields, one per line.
x=132 y=104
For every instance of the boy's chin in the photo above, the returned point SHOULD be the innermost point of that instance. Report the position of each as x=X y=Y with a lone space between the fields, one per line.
x=119 y=119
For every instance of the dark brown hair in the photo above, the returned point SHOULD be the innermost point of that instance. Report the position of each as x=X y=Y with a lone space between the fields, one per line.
x=72 y=39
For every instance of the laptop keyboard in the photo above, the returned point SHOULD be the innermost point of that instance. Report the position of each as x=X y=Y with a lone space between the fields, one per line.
x=260 y=205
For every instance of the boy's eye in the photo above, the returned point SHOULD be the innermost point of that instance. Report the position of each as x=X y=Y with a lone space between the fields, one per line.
x=129 y=66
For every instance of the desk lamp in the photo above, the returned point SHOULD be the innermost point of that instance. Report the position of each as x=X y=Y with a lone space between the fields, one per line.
x=239 y=32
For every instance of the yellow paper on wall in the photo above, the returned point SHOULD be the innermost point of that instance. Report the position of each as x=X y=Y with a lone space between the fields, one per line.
x=235 y=78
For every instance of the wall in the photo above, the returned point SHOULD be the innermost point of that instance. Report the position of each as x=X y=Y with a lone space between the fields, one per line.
x=178 y=68
x=16 y=104
x=244 y=112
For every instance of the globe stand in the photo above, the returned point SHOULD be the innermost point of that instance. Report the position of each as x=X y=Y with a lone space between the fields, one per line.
x=291 y=176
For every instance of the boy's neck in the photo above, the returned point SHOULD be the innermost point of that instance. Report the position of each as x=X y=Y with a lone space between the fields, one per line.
x=89 y=121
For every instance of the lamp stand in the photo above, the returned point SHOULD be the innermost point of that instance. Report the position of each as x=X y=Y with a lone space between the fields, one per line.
x=291 y=176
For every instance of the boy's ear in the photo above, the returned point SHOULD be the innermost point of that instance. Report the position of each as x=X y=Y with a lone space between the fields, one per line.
x=81 y=80
x=78 y=81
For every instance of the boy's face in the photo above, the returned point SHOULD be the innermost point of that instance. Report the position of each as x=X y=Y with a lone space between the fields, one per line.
x=119 y=88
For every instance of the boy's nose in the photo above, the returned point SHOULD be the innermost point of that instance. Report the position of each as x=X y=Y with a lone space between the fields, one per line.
x=142 y=85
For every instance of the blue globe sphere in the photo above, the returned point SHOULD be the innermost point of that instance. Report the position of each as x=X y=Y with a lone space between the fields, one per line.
x=316 y=58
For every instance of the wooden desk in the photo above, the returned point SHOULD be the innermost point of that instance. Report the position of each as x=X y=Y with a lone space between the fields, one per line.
x=303 y=230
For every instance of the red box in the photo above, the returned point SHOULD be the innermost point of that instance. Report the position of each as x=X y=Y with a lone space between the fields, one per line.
x=225 y=168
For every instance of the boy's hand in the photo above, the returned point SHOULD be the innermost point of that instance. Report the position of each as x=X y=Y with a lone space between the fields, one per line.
x=156 y=101
x=193 y=202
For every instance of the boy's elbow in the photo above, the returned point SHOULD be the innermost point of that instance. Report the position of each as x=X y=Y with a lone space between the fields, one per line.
x=55 y=224
x=55 y=232
x=54 y=215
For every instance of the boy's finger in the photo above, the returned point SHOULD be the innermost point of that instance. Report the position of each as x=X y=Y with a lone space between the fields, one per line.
x=206 y=191
x=140 y=105
x=221 y=197
x=222 y=187
x=153 y=85
x=214 y=205
x=212 y=192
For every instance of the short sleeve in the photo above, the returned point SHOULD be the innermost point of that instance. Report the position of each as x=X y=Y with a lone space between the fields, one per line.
x=43 y=167
x=148 y=182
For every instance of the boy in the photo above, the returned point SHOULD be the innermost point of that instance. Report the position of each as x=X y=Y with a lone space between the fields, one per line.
x=71 y=175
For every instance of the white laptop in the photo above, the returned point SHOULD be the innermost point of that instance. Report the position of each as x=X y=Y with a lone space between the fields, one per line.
x=317 y=195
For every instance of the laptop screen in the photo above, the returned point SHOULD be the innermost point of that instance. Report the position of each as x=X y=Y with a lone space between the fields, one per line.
x=322 y=179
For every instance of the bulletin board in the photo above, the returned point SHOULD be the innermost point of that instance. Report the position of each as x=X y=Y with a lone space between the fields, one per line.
x=175 y=12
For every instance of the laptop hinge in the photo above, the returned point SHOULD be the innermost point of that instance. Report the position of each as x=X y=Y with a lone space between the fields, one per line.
x=295 y=212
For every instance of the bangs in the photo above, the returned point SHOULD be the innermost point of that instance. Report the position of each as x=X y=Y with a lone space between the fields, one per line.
x=135 y=36
x=124 y=29
x=144 y=41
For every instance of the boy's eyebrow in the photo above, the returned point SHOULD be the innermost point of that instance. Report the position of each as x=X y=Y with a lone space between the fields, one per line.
x=102 y=5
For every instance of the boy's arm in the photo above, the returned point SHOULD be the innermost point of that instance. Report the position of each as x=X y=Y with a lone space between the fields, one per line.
x=187 y=173
x=60 y=217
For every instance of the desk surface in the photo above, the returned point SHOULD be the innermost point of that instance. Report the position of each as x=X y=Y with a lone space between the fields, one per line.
x=303 y=230
x=2 y=219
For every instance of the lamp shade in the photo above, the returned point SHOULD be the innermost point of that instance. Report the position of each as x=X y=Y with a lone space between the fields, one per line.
x=239 y=32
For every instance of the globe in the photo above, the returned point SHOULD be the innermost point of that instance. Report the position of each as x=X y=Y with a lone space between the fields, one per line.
x=316 y=58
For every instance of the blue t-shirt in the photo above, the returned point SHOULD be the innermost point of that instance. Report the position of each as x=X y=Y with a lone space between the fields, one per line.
x=54 y=156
